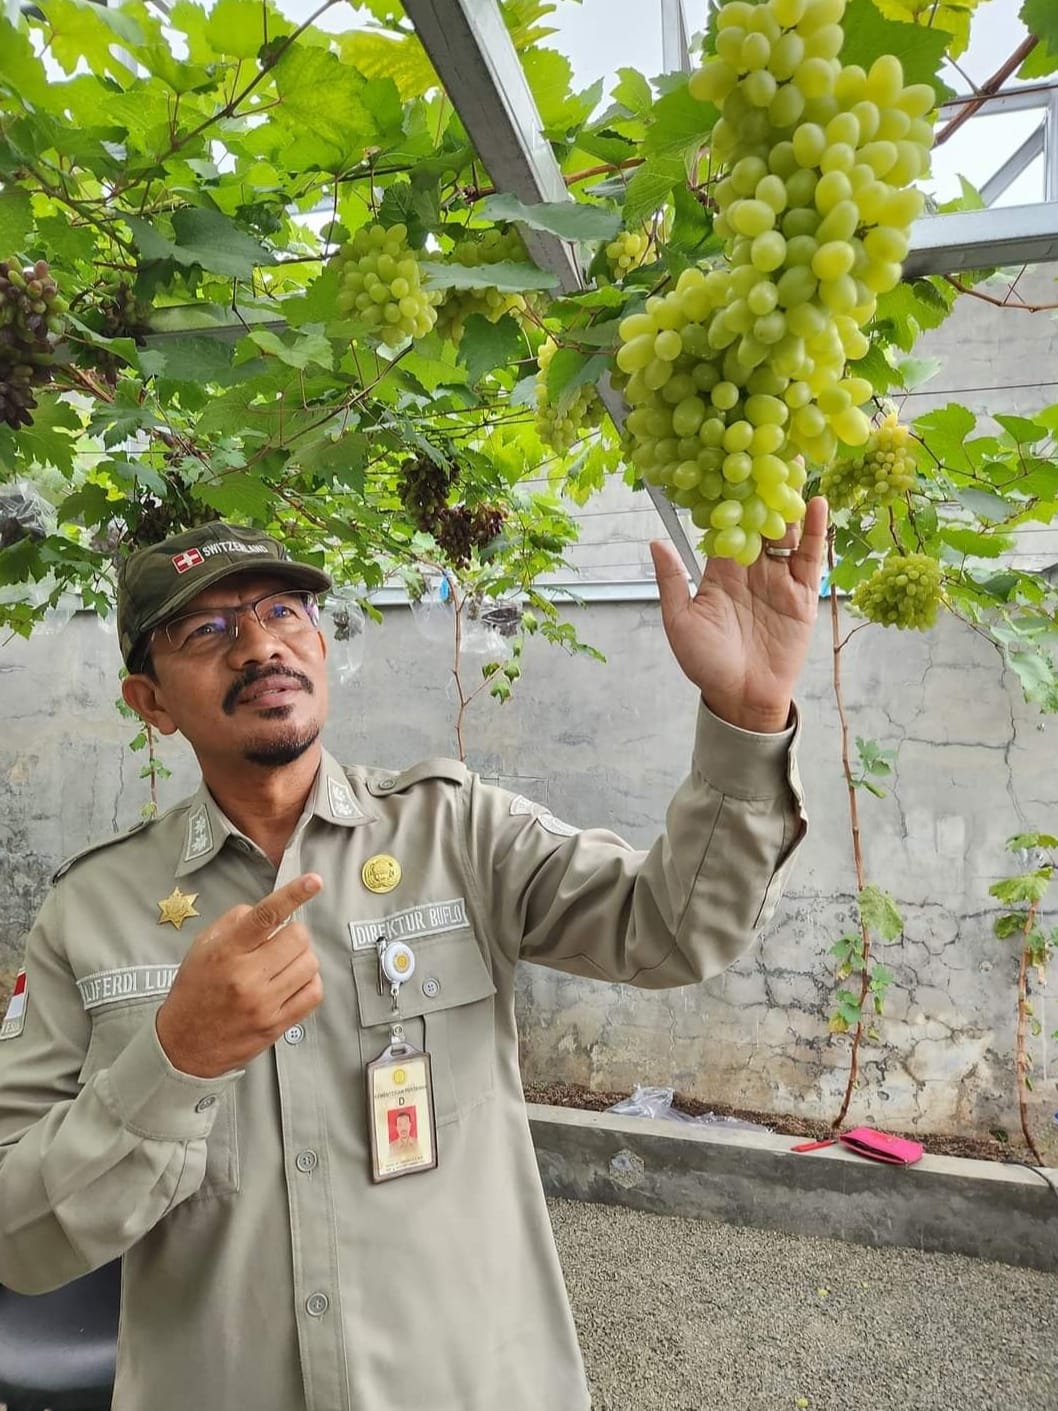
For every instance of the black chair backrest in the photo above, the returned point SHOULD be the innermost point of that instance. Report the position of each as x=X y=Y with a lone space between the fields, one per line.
x=57 y=1350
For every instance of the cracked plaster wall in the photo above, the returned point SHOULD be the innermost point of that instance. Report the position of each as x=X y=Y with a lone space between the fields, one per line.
x=607 y=745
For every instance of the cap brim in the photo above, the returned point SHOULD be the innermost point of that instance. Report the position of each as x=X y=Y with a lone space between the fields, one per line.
x=300 y=575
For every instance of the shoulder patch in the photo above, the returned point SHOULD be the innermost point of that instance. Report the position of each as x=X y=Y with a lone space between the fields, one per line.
x=521 y=807
x=14 y=1020
x=382 y=785
x=64 y=867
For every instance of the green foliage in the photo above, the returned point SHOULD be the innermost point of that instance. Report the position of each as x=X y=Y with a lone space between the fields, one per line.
x=873 y=761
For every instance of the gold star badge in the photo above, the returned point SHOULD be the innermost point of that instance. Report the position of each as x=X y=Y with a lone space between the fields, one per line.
x=177 y=907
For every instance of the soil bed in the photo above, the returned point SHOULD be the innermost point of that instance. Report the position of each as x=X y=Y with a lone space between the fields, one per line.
x=936 y=1144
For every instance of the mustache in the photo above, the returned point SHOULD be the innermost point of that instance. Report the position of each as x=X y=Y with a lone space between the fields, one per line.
x=251 y=677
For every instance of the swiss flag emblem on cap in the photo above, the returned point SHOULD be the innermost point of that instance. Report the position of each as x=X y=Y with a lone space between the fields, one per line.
x=190 y=558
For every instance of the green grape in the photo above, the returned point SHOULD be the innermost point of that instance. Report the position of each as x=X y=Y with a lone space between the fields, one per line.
x=904 y=592
x=376 y=259
x=557 y=428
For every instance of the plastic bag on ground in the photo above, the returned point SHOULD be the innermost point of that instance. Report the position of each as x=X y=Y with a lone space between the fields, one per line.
x=657 y=1102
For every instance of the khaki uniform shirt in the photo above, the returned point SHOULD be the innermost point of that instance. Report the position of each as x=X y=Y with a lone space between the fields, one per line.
x=262 y=1267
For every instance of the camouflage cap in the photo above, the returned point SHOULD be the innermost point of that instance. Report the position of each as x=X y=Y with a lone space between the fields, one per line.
x=156 y=581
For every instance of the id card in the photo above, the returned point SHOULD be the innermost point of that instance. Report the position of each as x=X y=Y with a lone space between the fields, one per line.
x=400 y=1113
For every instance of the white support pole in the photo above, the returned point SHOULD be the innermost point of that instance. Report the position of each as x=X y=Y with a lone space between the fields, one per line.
x=469 y=46
x=1014 y=165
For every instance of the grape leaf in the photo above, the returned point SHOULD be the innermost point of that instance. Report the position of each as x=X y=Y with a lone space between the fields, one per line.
x=82 y=31
x=237 y=494
x=51 y=438
x=240 y=27
x=945 y=431
x=21 y=72
x=633 y=92
x=324 y=99
x=310 y=347
x=679 y=122
x=511 y=277
x=1024 y=431
x=879 y=913
x=488 y=345
x=969 y=541
x=650 y=187
x=930 y=20
x=16 y=220
x=984 y=505
x=202 y=237
x=1041 y=19
x=186 y=359
x=569 y=220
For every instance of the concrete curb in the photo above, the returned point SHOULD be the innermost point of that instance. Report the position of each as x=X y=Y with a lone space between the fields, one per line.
x=980 y=1208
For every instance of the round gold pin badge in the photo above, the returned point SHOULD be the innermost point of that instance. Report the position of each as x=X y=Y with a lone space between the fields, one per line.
x=381 y=873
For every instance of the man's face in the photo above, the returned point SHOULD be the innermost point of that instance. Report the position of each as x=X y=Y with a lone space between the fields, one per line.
x=404 y=1124
x=261 y=698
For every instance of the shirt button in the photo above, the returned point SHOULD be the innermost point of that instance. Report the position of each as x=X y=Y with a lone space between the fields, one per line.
x=431 y=988
x=317 y=1304
x=294 y=1034
x=205 y=1103
x=306 y=1161
x=386 y=784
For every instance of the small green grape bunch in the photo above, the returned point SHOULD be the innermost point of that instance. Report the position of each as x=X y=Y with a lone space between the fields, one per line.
x=889 y=460
x=380 y=283
x=884 y=472
x=904 y=592
x=560 y=428
x=489 y=248
x=627 y=251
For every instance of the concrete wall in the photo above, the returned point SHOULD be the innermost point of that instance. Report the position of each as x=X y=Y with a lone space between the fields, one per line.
x=607 y=744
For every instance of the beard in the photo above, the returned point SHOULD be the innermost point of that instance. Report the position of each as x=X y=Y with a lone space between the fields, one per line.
x=282 y=748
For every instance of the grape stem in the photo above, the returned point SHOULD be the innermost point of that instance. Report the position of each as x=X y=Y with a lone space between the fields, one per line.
x=1006 y=303
x=1021 y=1059
x=854 y=823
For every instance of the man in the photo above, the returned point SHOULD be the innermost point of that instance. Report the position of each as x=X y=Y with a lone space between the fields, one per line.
x=220 y=1007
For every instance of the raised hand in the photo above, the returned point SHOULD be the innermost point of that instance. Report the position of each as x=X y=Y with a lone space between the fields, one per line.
x=744 y=636
x=245 y=980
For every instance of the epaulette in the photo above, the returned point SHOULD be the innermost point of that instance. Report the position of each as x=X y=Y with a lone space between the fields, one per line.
x=64 y=867
x=381 y=784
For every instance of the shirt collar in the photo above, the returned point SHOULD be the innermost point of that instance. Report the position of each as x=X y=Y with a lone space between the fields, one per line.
x=208 y=828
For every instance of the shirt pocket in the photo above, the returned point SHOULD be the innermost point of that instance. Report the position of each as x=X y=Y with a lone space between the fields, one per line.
x=115 y=1026
x=447 y=1008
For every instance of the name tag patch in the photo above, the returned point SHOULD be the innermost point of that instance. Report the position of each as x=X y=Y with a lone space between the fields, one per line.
x=14 y=1020
x=429 y=919
x=131 y=982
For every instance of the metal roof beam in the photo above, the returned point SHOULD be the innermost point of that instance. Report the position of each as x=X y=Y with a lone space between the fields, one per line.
x=479 y=68
x=962 y=240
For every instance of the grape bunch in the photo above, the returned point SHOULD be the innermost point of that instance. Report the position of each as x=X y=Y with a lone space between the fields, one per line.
x=464 y=528
x=381 y=284
x=583 y=410
x=904 y=592
x=424 y=488
x=884 y=471
x=31 y=322
x=814 y=206
x=628 y=250
x=488 y=249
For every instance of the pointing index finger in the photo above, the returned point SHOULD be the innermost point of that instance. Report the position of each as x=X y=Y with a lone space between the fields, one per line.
x=273 y=912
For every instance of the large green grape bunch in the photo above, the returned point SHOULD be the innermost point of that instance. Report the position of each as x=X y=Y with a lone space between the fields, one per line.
x=884 y=472
x=904 y=592
x=31 y=322
x=814 y=207
x=380 y=283
x=489 y=248
x=583 y=411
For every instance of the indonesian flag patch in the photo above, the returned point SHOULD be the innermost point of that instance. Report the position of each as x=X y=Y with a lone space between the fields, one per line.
x=15 y=1017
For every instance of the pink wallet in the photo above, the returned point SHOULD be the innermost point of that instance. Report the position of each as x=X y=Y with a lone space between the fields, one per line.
x=879 y=1146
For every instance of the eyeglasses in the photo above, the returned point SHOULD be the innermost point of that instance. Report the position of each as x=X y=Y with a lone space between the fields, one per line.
x=212 y=630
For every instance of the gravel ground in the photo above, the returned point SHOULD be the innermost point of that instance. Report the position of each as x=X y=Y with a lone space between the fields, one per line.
x=685 y=1315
